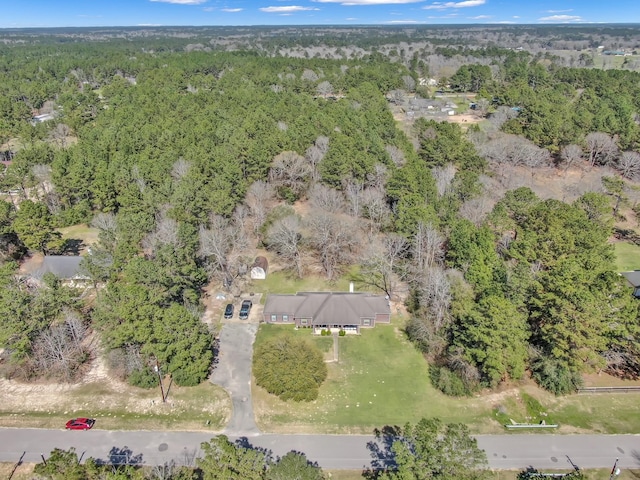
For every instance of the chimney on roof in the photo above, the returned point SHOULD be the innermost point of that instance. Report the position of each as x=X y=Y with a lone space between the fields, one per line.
x=350 y=287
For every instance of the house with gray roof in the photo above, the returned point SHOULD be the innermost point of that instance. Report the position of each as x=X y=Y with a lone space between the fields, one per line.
x=328 y=310
x=66 y=268
x=633 y=278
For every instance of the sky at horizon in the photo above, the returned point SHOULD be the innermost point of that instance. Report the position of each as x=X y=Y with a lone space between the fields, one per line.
x=86 y=13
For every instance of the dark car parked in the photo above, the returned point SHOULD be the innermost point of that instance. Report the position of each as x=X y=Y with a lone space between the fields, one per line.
x=228 y=311
x=245 y=309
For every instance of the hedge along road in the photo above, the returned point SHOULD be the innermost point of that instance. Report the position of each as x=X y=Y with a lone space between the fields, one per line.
x=504 y=452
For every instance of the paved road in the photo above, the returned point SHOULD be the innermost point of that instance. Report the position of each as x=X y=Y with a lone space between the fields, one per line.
x=233 y=373
x=330 y=451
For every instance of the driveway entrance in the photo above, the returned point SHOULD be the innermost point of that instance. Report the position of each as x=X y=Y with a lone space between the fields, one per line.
x=233 y=372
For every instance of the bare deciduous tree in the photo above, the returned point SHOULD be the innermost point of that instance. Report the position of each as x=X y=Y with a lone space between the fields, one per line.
x=601 y=148
x=314 y=155
x=42 y=175
x=324 y=88
x=327 y=199
x=443 y=177
x=353 y=190
x=309 y=75
x=216 y=243
x=165 y=233
x=60 y=134
x=380 y=262
x=138 y=178
x=435 y=296
x=259 y=198
x=501 y=115
x=629 y=165
x=334 y=239
x=397 y=96
x=108 y=226
x=290 y=170
x=476 y=209
x=374 y=207
x=59 y=350
x=285 y=237
x=180 y=168
x=409 y=83
x=378 y=178
x=570 y=155
x=428 y=247
x=397 y=155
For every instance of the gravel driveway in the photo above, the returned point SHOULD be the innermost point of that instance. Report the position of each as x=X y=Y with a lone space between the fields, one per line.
x=233 y=371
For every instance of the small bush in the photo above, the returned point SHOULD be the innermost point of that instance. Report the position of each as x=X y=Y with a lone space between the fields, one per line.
x=186 y=377
x=448 y=382
x=342 y=333
x=556 y=376
x=144 y=378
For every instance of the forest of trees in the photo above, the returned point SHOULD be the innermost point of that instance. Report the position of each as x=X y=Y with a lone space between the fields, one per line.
x=187 y=161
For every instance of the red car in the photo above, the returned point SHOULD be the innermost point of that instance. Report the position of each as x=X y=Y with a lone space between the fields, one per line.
x=80 y=424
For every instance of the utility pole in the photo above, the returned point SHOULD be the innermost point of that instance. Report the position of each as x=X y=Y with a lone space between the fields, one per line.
x=159 y=372
x=615 y=471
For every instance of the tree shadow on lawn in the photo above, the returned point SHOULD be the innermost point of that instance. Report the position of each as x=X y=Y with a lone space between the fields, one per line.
x=382 y=456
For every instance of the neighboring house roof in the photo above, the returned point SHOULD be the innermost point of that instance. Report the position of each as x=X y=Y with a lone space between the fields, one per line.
x=328 y=307
x=632 y=277
x=65 y=267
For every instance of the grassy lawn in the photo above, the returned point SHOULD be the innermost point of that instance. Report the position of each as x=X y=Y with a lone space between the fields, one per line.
x=284 y=281
x=627 y=256
x=380 y=379
x=83 y=234
x=204 y=407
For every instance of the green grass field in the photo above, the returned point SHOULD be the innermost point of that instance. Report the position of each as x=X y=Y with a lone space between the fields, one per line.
x=285 y=281
x=82 y=233
x=627 y=256
x=204 y=407
x=381 y=379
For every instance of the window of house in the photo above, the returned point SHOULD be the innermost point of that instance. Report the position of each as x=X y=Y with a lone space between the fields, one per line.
x=285 y=318
x=304 y=321
x=366 y=322
x=274 y=318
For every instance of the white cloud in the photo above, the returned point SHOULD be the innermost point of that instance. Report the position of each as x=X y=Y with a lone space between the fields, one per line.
x=560 y=11
x=231 y=10
x=287 y=9
x=480 y=17
x=181 y=2
x=561 y=18
x=464 y=4
x=369 y=2
x=516 y=16
x=402 y=22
